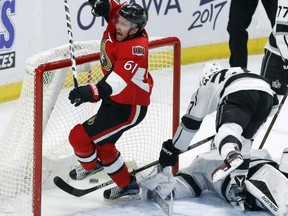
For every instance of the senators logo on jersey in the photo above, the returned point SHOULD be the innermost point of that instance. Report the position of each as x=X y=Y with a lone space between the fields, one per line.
x=104 y=59
x=138 y=50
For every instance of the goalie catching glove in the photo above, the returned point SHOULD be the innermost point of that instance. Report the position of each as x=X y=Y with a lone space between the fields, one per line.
x=100 y=7
x=169 y=154
x=88 y=93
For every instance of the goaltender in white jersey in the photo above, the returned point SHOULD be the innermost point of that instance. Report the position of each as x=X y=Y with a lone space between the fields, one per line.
x=266 y=187
x=243 y=102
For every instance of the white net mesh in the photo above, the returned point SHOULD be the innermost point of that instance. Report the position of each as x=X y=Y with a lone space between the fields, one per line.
x=140 y=144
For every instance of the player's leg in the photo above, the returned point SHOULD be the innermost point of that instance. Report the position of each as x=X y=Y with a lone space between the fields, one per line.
x=233 y=116
x=228 y=142
x=196 y=177
x=235 y=191
x=283 y=166
x=240 y=16
x=271 y=9
x=105 y=130
x=189 y=182
x=82 y=137
x=262 y=106
x=272 y=69
x=114 y=165
x=259 y=110
x=269 y=187
x=85 y=152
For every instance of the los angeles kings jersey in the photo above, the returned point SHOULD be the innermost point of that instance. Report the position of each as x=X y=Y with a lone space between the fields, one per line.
x=209 y=96
x=125 y=65
x=278 y=39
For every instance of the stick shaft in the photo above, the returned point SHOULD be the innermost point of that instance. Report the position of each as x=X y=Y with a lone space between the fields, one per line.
x=273 y=120
x=190 y=147
x=59 y=182
x=71 y=43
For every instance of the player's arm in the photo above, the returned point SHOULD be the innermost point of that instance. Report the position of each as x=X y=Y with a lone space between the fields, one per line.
x=82 y=94
x=190 y=124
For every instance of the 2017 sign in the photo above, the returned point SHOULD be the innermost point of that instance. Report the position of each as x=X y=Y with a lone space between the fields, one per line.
x=207 y=15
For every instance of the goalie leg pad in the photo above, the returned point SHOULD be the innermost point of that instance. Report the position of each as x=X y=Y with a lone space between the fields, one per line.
x=83 y=147
x=114 y=164
x=269 y=186
x=283 y=167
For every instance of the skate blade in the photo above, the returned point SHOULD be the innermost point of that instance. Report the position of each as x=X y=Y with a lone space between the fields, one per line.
x=223 y=171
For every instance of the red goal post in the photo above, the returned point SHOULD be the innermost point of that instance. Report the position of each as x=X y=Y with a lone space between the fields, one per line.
x=46 y=95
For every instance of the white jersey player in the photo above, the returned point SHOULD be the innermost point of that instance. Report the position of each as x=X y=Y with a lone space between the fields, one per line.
x=266 y=187
x=243 y=102
x=275 y=61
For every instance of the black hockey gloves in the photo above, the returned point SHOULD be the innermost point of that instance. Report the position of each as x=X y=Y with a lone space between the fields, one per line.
x=169 y=154
x=88 y=93
x=100 y=7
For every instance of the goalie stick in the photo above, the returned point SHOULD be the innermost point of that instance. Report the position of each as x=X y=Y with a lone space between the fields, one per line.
x=60 y=183
x=166 y=206
x=71 y=43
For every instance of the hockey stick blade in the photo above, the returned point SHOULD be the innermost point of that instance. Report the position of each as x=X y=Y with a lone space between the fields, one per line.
x=167 y=207
x=60 y=183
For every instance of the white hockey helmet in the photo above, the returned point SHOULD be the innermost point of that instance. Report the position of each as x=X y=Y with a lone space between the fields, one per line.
x=208 y=70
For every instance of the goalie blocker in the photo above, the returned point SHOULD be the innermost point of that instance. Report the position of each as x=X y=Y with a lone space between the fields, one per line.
x=269 y=187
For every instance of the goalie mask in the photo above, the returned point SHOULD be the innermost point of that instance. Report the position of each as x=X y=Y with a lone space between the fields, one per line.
x=135 y=14
x=208 y=70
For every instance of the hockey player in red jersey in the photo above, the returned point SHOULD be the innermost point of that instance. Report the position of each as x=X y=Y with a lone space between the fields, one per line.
x=124 y=93
x=243 y=102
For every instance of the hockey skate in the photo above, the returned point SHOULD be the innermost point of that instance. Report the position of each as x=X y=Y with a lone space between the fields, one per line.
x=234 y=159
x=80 y=173
x=131 y=192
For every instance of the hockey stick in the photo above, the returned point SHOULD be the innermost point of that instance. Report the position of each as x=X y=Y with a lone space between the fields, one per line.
x=71 y=43
x=273 y=120
x=60 y=183
x=167 y=207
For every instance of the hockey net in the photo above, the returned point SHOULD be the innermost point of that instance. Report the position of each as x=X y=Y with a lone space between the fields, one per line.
x=34 y=147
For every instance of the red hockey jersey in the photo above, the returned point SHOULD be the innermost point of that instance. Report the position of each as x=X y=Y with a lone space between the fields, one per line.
x=125 y=64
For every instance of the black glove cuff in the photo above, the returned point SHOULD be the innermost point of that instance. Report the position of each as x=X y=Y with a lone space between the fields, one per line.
x=169 y=146
x=101 y=9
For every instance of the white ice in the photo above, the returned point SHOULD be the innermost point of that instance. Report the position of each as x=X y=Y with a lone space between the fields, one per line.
x=58 y=203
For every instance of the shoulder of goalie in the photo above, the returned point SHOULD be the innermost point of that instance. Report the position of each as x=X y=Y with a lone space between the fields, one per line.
x=270 y=187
